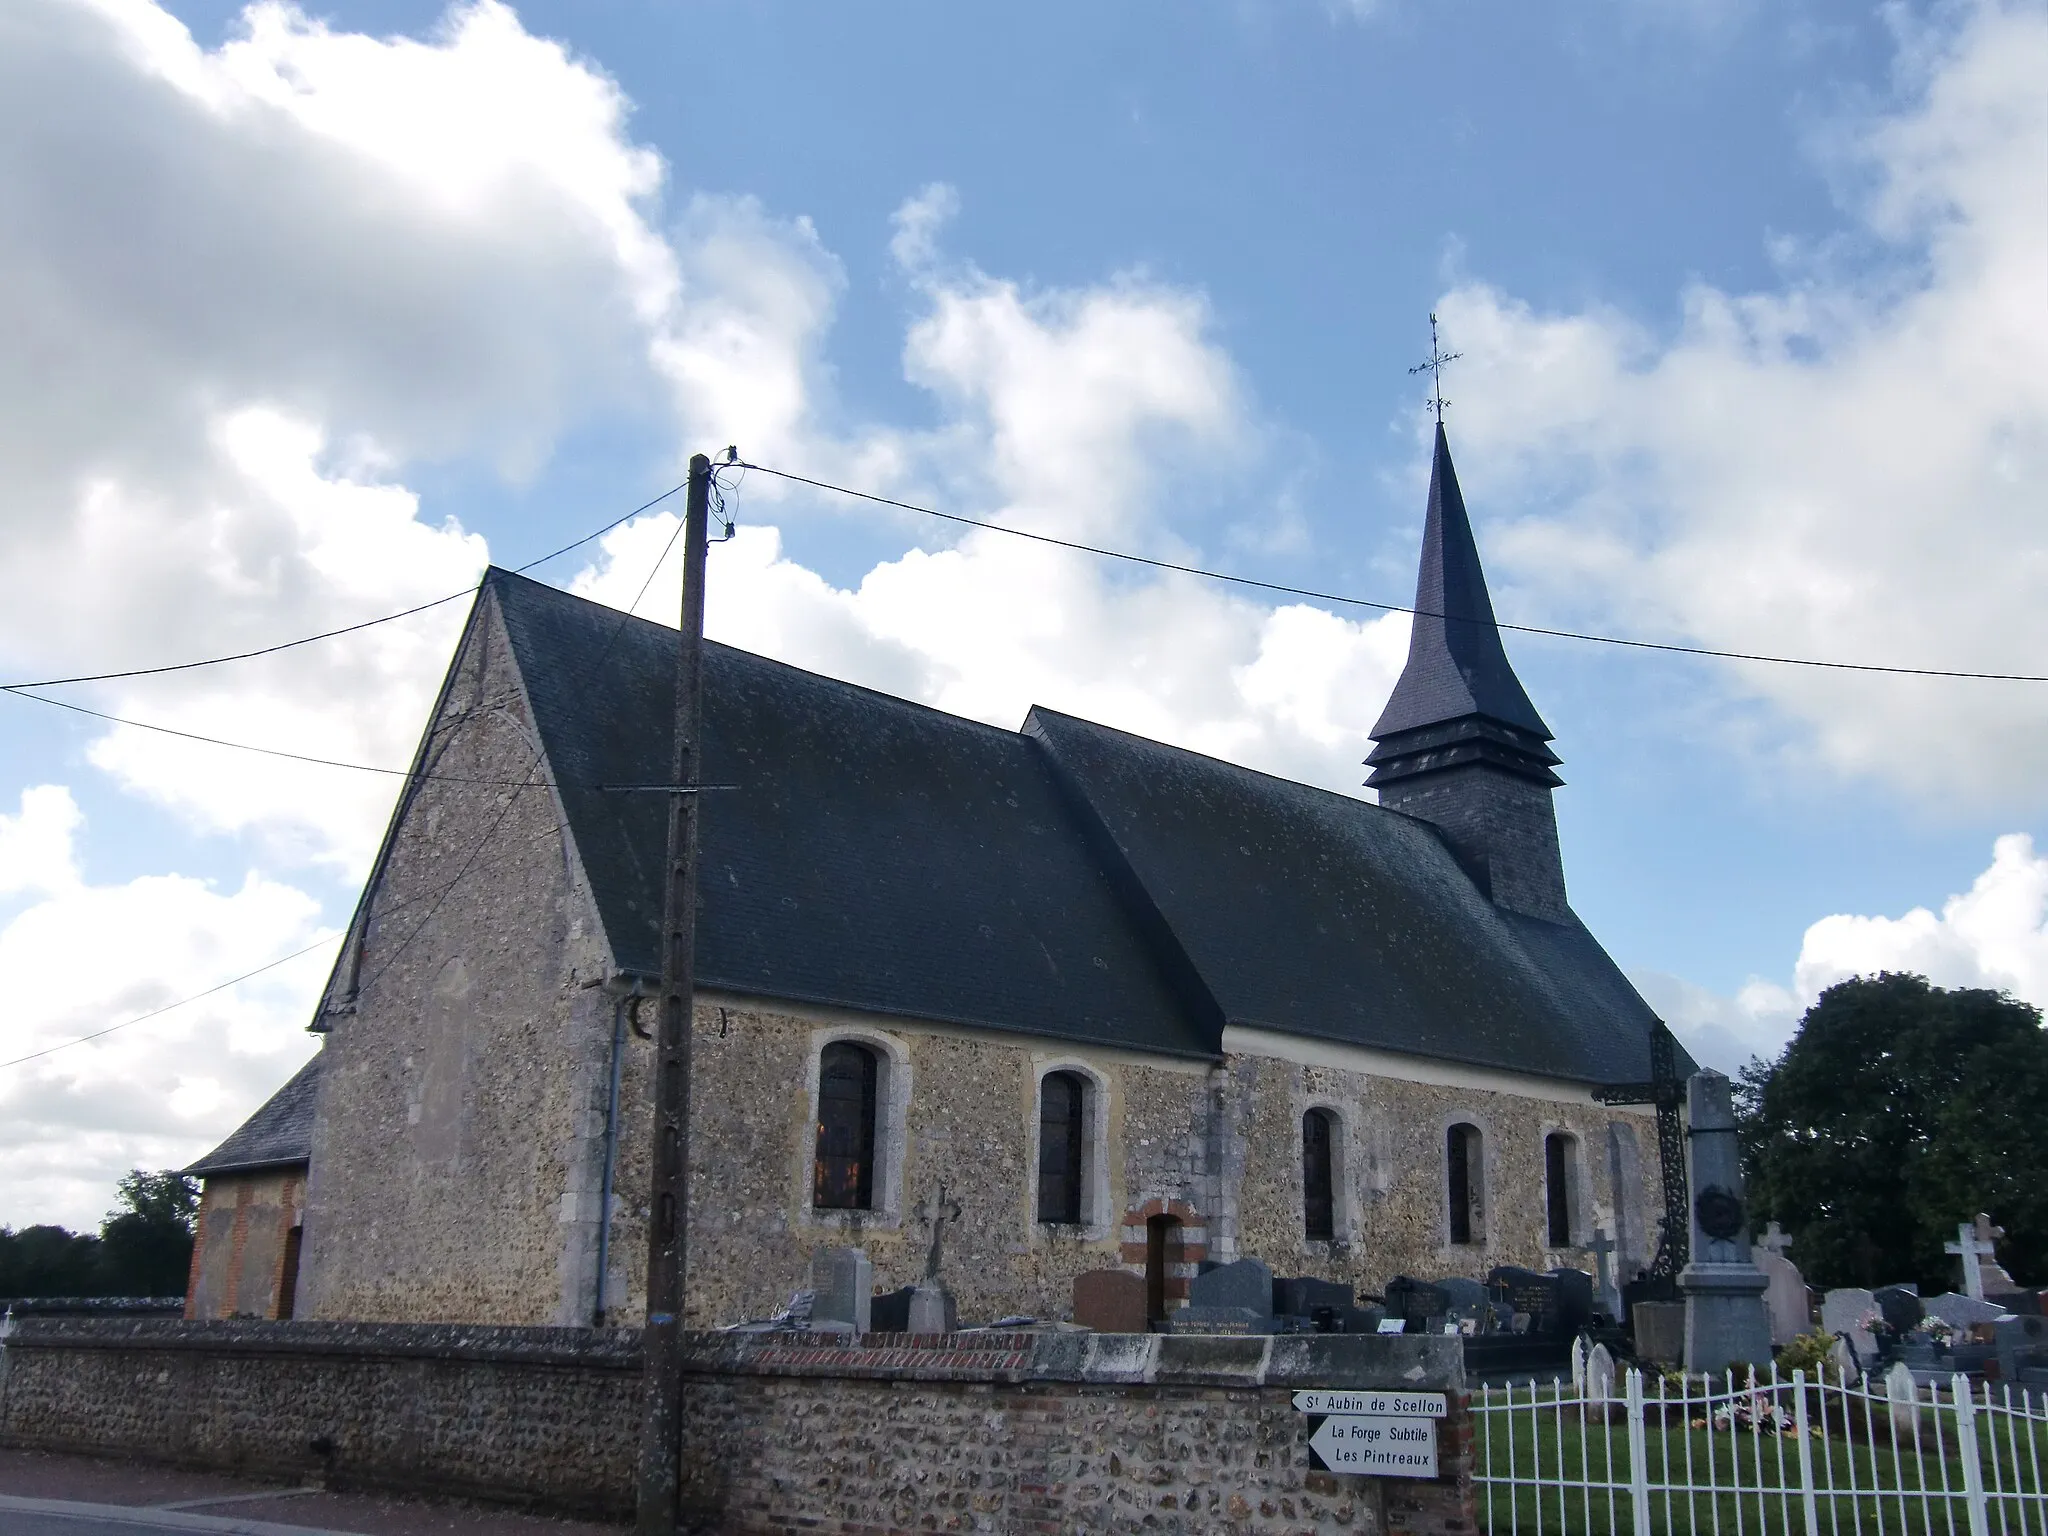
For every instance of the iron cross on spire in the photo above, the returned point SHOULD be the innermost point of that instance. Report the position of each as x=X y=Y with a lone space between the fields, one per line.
x=1434 y=367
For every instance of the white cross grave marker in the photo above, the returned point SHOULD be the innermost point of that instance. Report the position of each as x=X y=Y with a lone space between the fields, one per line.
x=1973 y=1246
x=1775 y=1239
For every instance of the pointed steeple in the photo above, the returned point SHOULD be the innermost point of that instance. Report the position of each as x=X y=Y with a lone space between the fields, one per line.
x=1459 y=744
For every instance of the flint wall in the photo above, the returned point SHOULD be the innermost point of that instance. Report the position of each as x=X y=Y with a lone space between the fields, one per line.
x=978 y=1432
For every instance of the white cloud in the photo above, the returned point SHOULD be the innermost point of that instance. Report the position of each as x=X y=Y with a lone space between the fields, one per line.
x=1850 y=465
x=1074 y=412
x=83 y=957
x=36 y=843
x=244 y=289
x=1993 y=935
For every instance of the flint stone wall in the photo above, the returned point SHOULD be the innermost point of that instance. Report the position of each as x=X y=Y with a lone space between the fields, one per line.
x=1084 y=1433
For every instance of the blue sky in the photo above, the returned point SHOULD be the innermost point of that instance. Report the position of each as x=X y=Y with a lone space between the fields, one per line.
x=1754 y=316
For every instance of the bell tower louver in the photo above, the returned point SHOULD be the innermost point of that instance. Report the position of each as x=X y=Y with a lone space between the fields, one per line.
x=1459 y=744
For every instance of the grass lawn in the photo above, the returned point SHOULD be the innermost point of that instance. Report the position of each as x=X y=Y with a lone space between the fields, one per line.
x=1921 y=1488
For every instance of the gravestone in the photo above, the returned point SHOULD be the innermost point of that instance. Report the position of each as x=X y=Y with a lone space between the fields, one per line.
x=931 y=1304
x=1606 y=1293
x=1600 y=1375
x=932 y=1310
x=1785 y=1298
x=1991 y=1273
x=1415 y=1302
x=2022 y=1344
x=1110 y=1301
x=1962 y=1312
x=890 y=1311
x=1309 y=1303
x=1231 y=1298
x=1843 y=1314
x=1726 y=1323
x=1659 y=1330
x=1558 y=1304
x=1899 y=1306
x=1903 y=1393
x=1466 y=1304
x=843 y=1290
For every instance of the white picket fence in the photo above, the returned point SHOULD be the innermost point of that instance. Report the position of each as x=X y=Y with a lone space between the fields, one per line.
x=1763 y=1455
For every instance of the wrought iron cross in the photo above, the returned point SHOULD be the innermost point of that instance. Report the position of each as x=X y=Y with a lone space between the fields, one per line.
x=1434 y=367
x=937 y=1211
x=1666 y=1091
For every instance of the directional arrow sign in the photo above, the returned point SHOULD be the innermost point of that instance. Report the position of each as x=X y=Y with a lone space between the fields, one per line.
x=1355 y=1444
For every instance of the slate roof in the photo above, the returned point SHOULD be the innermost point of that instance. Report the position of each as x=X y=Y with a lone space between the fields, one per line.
x=1069 y=881
x=876 y=855
x=278 y=1135
x=1456 y=663
x=1317 y=914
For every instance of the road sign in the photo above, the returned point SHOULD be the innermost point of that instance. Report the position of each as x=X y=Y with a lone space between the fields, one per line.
x=1413 y=1405
x=1357 y=1445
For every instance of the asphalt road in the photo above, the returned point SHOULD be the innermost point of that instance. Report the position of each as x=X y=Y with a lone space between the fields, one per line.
x=57 y=1517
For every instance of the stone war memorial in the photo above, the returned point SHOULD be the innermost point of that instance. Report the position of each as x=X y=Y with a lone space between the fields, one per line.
x=1055 y=1091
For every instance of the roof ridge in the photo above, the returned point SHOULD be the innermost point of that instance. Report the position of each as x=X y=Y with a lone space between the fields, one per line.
x=950 y=716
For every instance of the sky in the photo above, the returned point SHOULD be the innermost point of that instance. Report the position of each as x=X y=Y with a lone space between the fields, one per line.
x=309 y=314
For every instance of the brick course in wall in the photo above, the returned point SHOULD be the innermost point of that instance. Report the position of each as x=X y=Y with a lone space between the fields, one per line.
x=999 y=1433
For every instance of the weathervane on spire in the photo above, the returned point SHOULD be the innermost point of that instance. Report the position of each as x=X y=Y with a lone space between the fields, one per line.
x=1434 y=367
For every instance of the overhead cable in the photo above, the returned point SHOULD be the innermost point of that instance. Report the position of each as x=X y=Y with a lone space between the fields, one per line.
x=347 y=629
x=1367 y=602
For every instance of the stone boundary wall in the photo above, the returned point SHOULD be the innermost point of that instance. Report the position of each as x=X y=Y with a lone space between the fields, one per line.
x=995 y=1432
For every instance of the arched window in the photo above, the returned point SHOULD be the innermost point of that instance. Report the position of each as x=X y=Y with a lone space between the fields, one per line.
x=1560 y=1176
x=1062 y=1143
x=1318 y=1181
x=1464 y=1167
x=843 y=1178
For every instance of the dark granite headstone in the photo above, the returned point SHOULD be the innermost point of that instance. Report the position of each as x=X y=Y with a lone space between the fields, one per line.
x=1247 y=1283
x=1575 y=1300
x=1527 y=1291
x=1900 y=1307
x=1414 y=1301
x=1109 y=1301
x=1306 y=1296
x=1466 y=1303
x=2021 y=1343
x=890 y=1312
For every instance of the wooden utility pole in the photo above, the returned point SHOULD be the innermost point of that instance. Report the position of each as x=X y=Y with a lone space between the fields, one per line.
x=668 y=1210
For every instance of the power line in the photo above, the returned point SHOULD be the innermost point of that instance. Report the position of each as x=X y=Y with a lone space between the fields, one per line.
x=1367 y=602
x=156 y=1013
x=347 y=629
x=512 y=799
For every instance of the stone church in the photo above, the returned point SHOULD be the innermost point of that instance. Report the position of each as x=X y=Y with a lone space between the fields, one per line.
x=1130 y=1005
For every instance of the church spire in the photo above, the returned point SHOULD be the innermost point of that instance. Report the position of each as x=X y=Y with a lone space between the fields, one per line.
x=1459 y=744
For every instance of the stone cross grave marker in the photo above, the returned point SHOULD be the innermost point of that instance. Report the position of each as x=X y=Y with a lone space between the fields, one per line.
x=931 y=1304
x=1603 y=1248
x=1786 y=1301
x=1973 y=1249
x=936 y=1212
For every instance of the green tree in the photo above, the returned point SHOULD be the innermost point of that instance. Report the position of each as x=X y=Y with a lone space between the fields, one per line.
x=1899 y=1110
x=48 y=1261
x=146 y=1243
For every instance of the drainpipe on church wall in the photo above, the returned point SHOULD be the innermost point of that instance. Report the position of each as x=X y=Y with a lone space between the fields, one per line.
x=611 y=1160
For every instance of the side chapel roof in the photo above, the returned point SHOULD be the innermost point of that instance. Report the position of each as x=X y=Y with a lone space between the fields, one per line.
x=1067 y=881
x=278 y=1135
